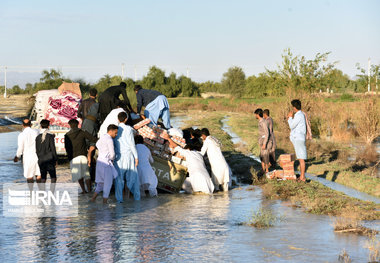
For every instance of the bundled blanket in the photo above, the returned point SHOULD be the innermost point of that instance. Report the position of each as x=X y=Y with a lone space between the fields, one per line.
x=62 y=108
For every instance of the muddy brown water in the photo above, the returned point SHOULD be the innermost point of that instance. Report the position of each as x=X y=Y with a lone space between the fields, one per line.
x=171 y=228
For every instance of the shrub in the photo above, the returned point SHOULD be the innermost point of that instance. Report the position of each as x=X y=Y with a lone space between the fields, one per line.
x=263 y=218
x=347 y=97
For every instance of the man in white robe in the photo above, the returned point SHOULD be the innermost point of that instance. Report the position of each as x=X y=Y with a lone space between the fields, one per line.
x=198 y=179
x=26 y=147
x=148 y=179
x=126 y=160
x=111 y=119
x=220 y=171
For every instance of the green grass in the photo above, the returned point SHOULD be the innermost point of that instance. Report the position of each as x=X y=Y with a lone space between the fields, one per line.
x=346 y=97
x=318 y=199
x=341 y=173
x=263 y=218
x=246 y=127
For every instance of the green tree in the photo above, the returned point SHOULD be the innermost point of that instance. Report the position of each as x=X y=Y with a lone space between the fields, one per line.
x=29 y=88
x=174 y=84
x=50 y=75
x=337 y=81
x=362 y=80
x=299 y=73
x=50 y=80
x=261 y=86
x=233 y=81
x=106 y=81
x=155 y=79
x=210 y=86
x=188 y=87
x=16 y=90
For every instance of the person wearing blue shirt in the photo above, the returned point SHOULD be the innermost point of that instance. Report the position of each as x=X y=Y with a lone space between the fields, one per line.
x=297 y=124
x=126 y=160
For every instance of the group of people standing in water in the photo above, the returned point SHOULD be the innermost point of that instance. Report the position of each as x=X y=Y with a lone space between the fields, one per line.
x=124 y=161
x=107 y=151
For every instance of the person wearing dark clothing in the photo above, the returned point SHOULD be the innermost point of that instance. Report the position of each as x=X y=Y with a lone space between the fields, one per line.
x=195 y=139
x=269 y=121
x=110 y=99
x=156 y=105
x=91 y=125
x=46 y=153
x=76 y=148
x=145 y=96
x=86 y=104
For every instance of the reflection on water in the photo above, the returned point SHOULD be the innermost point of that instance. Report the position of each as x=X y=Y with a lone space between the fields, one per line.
x=178 y=228
x=9 y=171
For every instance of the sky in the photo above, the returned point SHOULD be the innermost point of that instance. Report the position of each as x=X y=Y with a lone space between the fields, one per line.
x=201 y=38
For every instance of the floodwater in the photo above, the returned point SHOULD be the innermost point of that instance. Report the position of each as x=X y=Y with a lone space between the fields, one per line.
x=6 y=120
x=171 y=228
x=9 y=171
x=177 y=121
x=178 y=228
x=335 y=186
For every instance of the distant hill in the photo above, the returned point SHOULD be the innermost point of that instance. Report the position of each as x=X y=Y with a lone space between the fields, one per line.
x=19 y=78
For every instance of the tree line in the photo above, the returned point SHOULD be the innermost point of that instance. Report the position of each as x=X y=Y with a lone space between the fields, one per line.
x=295 y=73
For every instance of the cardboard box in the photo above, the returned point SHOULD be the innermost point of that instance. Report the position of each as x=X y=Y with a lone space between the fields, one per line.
x=289 y=157
x=141 y=124
x=288 y=173
x=148 y=142
x=288 y=167
x=176 y=160
x=179 y=156
x=286 y=164
x=165 y=156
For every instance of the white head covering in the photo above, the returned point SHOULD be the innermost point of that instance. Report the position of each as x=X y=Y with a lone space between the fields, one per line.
x=175 y=132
